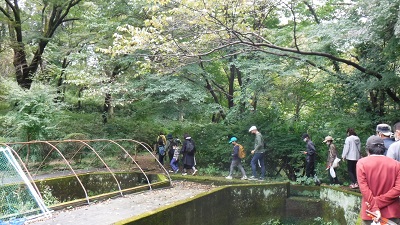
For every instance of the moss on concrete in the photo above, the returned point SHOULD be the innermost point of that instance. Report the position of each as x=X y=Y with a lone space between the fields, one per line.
x=249 y=203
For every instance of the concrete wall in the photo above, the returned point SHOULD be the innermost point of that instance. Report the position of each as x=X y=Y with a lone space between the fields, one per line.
x=99 y=186
x=340 y=205
x=258 y=204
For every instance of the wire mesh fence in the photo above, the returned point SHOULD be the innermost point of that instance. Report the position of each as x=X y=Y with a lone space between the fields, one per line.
x=18 y=197
x=90 y=167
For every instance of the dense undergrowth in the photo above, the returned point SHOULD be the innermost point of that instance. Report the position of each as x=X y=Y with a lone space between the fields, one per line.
x=34 y=115
x=213 y=149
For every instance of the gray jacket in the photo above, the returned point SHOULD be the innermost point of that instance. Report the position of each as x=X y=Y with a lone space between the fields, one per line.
x=394 y=151
x=259 y=143
x=351 y=148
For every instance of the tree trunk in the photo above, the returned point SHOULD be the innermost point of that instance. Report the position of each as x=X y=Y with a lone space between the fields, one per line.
x=240 y=82
x=107 y=106
x=52 y=20
x=254 y=102
x=373 y=97
x=79 y=97
x=231 y=86
x=60 y=81
x=382 y=98
x=215 y=118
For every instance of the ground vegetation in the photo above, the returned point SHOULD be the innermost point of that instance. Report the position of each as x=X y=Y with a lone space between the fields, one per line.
x=135 y=68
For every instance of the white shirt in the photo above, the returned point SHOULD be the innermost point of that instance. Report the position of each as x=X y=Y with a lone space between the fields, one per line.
x=394 y=151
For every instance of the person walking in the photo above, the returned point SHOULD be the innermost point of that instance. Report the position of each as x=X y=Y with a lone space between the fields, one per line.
x=394 y=149
x=332 y=155
x=379 y=182
x=161 y=141
x=175 y=159
x=351 y=153
x=385 y=132
x=169 y=146
x=258 y=154
x=236 y=160
x=310 y=155
x=188 y=151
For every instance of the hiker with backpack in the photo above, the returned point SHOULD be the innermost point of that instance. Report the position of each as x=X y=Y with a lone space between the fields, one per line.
x=188 y=151
x=161 y=141
x=238 y=154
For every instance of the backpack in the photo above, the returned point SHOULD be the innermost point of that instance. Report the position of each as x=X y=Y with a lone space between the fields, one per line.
x=170 y=145
x=189 y=147
x=241 y=152
x=161 y=150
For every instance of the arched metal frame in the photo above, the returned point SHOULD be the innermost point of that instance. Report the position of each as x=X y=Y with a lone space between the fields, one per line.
x=54 y=144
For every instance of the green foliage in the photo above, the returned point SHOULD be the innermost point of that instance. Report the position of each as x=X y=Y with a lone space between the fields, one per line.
x=35 y=113
x=320 y=221
x=304 y=180
x=317 y=221
x=172 y=73
x=76 y=136
x=272 y=222
x=48 y=197
x=212 y=170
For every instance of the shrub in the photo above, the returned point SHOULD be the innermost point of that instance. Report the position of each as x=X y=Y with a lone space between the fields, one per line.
x=35 y=113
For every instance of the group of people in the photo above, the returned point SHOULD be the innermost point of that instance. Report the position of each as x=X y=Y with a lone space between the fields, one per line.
x=351 y=153
x=174 y=149
x=377 y=175
x=257 y=160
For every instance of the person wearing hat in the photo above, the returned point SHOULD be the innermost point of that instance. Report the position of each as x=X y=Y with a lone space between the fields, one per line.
x=310 y=155
x=236 y=161
x=385 y=132
x=332 y=155
x=394 y=149
x=379 y=182
x=258 y=154
x=351 y=153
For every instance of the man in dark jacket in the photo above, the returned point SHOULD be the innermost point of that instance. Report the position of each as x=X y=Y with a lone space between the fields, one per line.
x=310 y=155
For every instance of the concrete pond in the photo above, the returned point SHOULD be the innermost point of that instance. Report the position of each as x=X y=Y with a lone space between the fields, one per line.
x=243 y=203
x=266 y=203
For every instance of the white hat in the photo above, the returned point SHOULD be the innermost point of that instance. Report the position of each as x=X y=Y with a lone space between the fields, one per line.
x=252 y=128
x=328 y=138
x=384 y=129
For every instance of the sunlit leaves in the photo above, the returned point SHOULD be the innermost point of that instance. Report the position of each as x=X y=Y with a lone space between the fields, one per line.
x=35 y=114
x=174 y=90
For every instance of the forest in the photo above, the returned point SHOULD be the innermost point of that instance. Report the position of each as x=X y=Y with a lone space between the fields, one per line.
x=212 y=68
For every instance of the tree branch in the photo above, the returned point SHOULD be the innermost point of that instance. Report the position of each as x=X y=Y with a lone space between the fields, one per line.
x=312 y=11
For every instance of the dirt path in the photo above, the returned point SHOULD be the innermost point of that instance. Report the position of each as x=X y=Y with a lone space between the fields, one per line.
x=113 y=210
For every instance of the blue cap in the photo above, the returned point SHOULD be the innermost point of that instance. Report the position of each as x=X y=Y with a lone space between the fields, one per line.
x=233 y=139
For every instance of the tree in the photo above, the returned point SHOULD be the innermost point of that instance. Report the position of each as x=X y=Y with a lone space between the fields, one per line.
x=52 y=15
x=35 y=114
x=190 y=31
x=112 y=71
